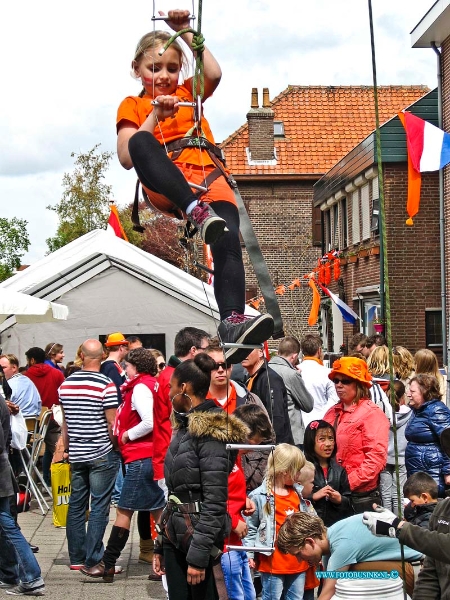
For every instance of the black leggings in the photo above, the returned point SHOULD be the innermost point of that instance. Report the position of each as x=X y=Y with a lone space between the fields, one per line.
x=176 y=571
x=158 y=173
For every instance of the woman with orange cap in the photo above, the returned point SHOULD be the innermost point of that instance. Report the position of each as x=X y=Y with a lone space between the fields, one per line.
x=362 y=431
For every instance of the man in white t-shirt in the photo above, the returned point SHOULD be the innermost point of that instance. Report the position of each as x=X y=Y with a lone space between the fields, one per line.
x=315 y=378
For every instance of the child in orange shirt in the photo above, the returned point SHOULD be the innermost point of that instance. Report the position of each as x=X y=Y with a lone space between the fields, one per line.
x=148 y=131
x=277 y=497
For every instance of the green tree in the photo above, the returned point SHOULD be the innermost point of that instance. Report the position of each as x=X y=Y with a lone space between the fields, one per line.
x=14 y=242
x=84 y=205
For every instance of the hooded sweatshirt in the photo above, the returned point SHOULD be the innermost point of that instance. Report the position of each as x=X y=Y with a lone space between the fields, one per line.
x=47 y=380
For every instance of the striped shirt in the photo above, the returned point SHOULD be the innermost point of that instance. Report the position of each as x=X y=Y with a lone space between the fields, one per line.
x=85 y=395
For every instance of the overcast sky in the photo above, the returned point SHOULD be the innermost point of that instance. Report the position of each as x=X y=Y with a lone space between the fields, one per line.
x=66 y=68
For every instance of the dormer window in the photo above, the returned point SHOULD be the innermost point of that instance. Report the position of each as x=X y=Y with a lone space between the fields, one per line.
x=278 y=129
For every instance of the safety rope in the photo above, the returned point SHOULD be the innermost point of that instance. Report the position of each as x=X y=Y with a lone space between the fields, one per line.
x=385 y=293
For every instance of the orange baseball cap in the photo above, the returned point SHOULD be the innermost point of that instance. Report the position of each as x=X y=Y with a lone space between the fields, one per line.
x=352 y=367
x=116 y=339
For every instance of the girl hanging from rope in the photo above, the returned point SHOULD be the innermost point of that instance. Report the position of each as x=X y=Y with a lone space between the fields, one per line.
x=147 y=131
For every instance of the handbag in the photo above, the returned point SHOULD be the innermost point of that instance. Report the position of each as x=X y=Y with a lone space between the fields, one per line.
x=61 y=489
x=362 y=501
x=19 y=431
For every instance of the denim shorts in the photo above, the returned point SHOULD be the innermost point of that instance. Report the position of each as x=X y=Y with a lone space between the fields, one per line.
x=140 y=491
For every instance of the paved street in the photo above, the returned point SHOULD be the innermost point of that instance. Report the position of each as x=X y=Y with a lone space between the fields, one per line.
x=63 y=584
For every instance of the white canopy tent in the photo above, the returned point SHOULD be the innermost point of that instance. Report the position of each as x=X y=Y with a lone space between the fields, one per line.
x=108 y=285
x=28 y=309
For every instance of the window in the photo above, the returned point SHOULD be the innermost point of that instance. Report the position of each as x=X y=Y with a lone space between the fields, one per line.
x=327 y=226
x=433 y=328
x=343 y=230
x=371 y=311
x=334 y=238
x=355 y=217
x=365 y=212
x=278 y=128
x=374 y=226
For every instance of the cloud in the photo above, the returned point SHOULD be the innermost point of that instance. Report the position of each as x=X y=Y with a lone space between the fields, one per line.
x=69 y=70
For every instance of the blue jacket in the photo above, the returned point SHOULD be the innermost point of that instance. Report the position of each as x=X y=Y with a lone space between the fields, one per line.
x=261 y=532
x=423 y=452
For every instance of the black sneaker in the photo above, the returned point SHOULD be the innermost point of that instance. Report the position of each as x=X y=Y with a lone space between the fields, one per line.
x=210 y=226
x=18 y=590
x=239 y=329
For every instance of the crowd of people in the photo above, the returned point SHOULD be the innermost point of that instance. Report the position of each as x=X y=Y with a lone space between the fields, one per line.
x=153 y=434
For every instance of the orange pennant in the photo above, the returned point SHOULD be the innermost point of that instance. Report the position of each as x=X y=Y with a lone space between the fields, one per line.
x=314 y=314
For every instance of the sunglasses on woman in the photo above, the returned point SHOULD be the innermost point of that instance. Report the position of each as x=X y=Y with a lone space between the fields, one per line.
x=343 y=381
x=161 y=365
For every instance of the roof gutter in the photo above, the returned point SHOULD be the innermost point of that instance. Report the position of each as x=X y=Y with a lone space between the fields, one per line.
x=442 y=224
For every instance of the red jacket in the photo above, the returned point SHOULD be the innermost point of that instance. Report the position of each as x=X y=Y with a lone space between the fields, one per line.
x=237 y=495
x=162 y=428
x=362 y=435
x=127 y=418
x=47 y=380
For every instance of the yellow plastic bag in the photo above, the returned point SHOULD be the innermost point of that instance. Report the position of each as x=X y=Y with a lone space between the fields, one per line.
x=61 y=492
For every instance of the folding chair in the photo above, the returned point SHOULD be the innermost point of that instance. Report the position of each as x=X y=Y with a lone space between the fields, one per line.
x=37 y=428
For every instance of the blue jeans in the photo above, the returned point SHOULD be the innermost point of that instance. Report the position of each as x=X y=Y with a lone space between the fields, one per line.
x=17 y=562
x=118 y=485
x=237 y=576
x=91 y=480
x=274 y=585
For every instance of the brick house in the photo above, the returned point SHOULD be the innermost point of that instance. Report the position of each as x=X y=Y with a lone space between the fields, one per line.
x=433 y=32
x=285 y=147
x=348 y=196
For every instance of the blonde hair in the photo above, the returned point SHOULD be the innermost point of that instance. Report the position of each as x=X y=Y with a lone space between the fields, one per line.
x=152 y=40
x=308 y=469
x=286 y=459
x=378 y=361
x=403 y=362
x=426 y=362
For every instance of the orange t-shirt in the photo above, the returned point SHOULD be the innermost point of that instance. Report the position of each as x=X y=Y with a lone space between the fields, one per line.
x=279 y=563
x=136 y=110
x=230 y=404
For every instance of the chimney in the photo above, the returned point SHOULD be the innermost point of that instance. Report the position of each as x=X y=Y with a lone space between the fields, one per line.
x=260 y=128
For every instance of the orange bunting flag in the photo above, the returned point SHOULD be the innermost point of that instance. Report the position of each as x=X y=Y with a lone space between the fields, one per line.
x=114 y=225
x=294 y=284
x=255 y=303
x=336 y=269
x=327 y=273
x=280 y=290
x=314 y=314
x=321 y=277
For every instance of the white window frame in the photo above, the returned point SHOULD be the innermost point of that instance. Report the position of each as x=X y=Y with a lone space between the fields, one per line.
x=356 y=233
x=365 y=211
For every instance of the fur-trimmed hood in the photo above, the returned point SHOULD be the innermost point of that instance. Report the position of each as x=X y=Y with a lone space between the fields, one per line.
x=208 y=419
x=219 y=425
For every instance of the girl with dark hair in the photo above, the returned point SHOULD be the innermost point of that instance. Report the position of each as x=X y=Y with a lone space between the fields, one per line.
x=134 y=430
x=331 y=492
x=194 y=523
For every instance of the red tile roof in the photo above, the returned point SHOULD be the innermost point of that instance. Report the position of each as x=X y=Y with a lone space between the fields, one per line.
x=322 y=124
